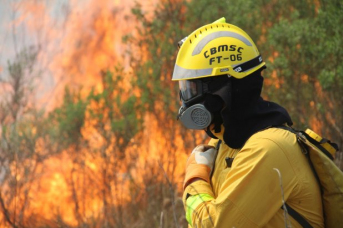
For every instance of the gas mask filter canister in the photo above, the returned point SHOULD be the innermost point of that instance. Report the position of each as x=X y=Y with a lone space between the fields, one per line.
x=195 y=117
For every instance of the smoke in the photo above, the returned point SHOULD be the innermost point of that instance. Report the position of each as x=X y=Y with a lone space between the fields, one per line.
x=75 y=41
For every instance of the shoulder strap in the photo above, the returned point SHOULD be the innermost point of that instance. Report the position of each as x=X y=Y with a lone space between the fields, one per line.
x=286 y=128
x=214 y=164
x=302 y=135
x=297 y=217
x=218 y=144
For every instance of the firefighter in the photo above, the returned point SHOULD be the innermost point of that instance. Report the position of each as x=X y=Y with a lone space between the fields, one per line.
x=250 y=166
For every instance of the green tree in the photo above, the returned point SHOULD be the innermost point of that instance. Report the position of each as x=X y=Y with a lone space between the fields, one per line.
x=22 y=135
x=97 y=127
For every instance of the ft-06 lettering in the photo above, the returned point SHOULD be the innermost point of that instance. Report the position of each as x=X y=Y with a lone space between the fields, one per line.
x=224 y=48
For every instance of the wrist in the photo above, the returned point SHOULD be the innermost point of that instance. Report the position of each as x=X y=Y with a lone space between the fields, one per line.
x=192 y=181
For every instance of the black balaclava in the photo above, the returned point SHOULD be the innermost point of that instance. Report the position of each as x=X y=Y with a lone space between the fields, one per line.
x=216 y=100
x=246 y=113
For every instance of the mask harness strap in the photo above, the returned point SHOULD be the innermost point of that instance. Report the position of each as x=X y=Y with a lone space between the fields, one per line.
x=209 y=133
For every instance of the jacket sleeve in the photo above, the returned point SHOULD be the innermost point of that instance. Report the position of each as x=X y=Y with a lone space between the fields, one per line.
x=250 y=195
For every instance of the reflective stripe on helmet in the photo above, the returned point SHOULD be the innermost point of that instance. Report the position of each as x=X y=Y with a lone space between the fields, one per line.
x=197 y=50
x=236 y=71
x=183 y=73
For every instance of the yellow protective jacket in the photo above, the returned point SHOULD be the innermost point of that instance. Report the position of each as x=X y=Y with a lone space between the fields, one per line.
x=249 y=194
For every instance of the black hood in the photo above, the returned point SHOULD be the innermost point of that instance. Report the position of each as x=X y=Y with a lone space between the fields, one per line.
x=247 y=113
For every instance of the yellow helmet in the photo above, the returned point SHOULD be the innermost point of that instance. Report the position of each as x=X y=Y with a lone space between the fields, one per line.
x=217 y=49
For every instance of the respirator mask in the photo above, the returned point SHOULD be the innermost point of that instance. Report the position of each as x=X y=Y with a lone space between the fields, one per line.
x=201 y=103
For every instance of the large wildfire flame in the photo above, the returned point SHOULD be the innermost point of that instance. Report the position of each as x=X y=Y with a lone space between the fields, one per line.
x=74 y=49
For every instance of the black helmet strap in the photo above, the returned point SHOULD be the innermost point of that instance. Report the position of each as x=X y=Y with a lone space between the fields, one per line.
x=249 y=64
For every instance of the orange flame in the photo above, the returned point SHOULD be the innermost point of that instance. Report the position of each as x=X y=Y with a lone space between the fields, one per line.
x=88 y=42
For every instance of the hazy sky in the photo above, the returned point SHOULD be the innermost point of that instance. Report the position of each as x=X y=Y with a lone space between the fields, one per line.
x=5 y=41
x=27 y=23
x=16 y=24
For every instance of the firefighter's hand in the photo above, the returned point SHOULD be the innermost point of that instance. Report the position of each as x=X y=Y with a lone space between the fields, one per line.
x=199 y=164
